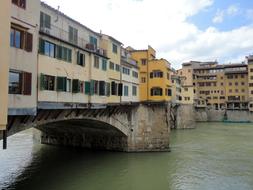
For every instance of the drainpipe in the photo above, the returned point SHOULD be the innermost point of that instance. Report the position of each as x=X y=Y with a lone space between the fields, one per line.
x=4 y=139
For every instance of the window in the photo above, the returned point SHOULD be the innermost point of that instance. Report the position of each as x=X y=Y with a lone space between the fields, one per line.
x=156 y=91
x=125 y=90
x=230 y=84
x=111 y=65
x=251 y=77
x=251 y=70
x=68 y=85
x=117 y=67
x=230 y=91
x=186 y=89
x=114 y=88
x=126 y=71
x=96 y=62
x=243 y=90
x=135 y=74
x=242 y=76
x=104 y=65
x=94 y=41
x=242 y=83
x=221 y=83
x=15 y=83
x=134 y=90
x=47 y=82
x=143 y=62
x=168 y=92
x=236 y=83
x=49 y=49
x=168 y=76
x=20 y=83
x=55 y=51
x=80 y=59
x=20 y=3
x=102 y=90
x=61 y=84
x=73 y=35
x=143 y=79
x=230 y=76
x=21 y=39
x=114 y=48
x=45 y=20
x=156 y=74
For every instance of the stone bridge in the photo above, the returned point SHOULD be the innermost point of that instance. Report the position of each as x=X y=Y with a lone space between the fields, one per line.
x=130 y=128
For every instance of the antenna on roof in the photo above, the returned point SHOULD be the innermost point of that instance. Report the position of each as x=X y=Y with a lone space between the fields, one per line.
x=58 y=10
x=100 y=31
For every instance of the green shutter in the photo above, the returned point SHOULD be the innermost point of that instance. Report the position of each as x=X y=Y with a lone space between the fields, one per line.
x=78 y=58
x=69 y=55
x=87 y=88
x=61 y=84
x=92 y=87
x=42 y=82
x=42 y=46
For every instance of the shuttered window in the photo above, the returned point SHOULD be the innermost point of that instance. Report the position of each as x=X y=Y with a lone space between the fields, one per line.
x=80 y=59
x=20 y=83
x=87 y=88
x=104 y=65
x=96 y=62
x=75 y=86
x=134 y=90
x=120 y=89
x=102 y=88
x=62 y=84
x=56 y=51
x=108 y=89
x=45 y=20
x=125 y=90
x=47 y=82
x=92 y=86
x=27 y=83
x=113 y=88
x=73 y=35
x=21 y=39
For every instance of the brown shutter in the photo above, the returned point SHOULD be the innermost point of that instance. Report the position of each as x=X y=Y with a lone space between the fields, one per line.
x=29 y=42
x=27 y=83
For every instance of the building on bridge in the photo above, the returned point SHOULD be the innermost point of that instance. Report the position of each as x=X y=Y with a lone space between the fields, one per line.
x=155 y=79
x=5 y=10
x=23 y=63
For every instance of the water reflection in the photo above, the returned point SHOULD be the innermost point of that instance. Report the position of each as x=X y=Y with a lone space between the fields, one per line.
x=213 y=156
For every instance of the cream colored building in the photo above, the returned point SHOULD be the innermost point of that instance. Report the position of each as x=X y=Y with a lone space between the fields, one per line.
x=5 y=10
x=176 y=88
x=249 y=61
x=129 y=78
x=72 y=65
x=23 y=66
x=113 y=50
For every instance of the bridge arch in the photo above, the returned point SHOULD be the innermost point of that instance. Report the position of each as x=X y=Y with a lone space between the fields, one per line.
x=95 y=133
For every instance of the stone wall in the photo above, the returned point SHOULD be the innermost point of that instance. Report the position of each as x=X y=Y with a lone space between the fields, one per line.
x=212 y=115
x=150 y=128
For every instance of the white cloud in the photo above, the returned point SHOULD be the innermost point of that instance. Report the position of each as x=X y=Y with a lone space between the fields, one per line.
x=163 y=25
x=219 y=17
x=232 y=10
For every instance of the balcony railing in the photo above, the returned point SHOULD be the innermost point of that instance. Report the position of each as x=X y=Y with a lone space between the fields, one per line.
x=74 y=40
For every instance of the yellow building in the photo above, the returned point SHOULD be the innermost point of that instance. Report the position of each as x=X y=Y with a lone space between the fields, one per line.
x=155 y=79
x=221 y=86
x=113 y=49
x=5 y=10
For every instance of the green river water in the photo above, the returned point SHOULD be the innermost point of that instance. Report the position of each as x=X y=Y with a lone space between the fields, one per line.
x=214 y=156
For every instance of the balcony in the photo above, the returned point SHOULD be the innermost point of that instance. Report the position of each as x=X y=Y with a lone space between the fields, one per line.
x=63 y=35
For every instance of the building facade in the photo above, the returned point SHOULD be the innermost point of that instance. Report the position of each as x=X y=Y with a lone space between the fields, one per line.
x=129 y=78
x=113 y=49
x=155 y=79
x=23 y=65
x=5 y=10
x=72 y=65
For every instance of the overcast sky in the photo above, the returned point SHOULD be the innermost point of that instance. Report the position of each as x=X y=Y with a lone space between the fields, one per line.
x=180 y=30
